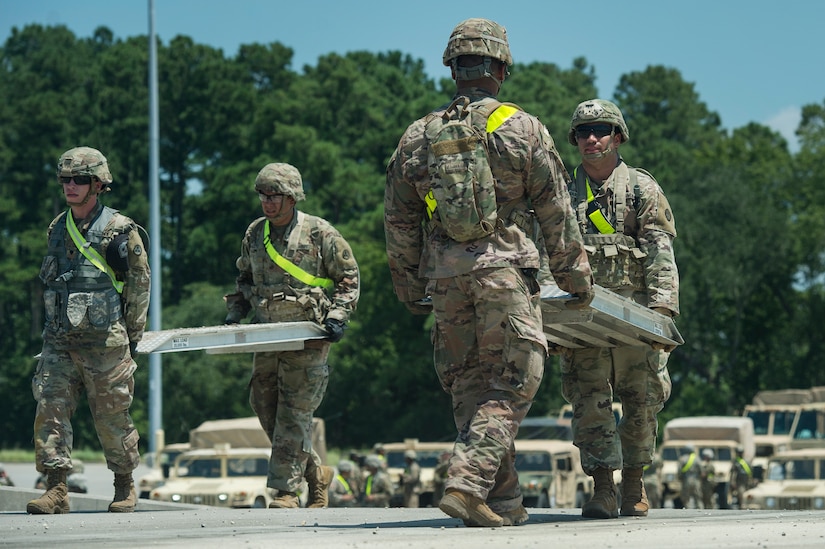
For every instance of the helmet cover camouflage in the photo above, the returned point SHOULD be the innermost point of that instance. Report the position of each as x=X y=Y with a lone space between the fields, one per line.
x=373 y=461
x=345 y=466
x=84 y=161
x=280 y=178
x=478 y=37
x=594 y=111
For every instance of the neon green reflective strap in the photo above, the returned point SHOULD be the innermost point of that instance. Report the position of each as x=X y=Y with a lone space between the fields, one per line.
x=597 y=217
x=686 y=467
x=291 y=268
x=498 y=117
x=90 y=253
x=745 y=466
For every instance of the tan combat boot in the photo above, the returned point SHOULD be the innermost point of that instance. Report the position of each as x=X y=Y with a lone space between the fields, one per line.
x=634 y=497
x=285 y=500
x=56 y=499
x=603 y=503
x=125 y=498
x=318 y=481
x=471 y=509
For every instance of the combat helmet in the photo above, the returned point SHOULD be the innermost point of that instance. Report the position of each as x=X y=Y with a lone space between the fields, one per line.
x=85 y=161
x=594 y=111
x=481 y=37
x=280 y=178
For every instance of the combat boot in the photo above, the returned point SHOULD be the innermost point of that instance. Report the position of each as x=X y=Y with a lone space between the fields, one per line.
x=56 y=499
x=471 y=509
x=318 y=481
x=125 y=498
x=285 y=500
x=514 y=517
x=634 y=497
x=603 y=503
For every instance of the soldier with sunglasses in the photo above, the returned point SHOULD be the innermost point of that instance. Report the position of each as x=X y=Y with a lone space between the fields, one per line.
x=628 y=230
x=96 y=299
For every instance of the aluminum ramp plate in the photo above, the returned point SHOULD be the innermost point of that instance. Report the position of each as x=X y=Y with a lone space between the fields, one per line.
x=233 y=338
x=610 y=321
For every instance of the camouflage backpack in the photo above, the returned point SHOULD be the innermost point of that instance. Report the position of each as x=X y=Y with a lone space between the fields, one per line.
x=462 y=195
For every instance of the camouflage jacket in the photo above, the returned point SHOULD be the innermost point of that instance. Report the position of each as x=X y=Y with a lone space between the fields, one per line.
x=643 y=266
x=530 y=180
x=83 y=309
x=315 y=246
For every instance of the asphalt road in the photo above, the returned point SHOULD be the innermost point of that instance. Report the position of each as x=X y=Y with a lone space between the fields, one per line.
x=208 y=527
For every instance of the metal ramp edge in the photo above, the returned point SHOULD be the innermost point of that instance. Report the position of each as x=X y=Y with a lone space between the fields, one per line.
x=233 y=338
x=610 y=321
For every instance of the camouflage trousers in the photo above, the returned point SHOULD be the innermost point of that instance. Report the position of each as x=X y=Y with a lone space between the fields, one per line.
x=106 y=374
x=285 y=390
x=591 y=378
x=489 y=351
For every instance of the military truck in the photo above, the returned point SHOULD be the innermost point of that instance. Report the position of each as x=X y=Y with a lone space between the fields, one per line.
x=161 y=465
x=794 y=480
x=722 y=434
x=428 y=455
x=226 y=465
x=566 y=411
x=550 y=474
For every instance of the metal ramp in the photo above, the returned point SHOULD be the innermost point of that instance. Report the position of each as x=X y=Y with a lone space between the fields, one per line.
x=610 y=321
x=233 y=338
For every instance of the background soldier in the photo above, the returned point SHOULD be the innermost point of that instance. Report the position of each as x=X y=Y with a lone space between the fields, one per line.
x=689 y=479
x=488 y=337
x=293 y=267
x=97 y=297
x=411 y=479
x=707 y=474
x=628 y=224
x=343 y=491
x=741 y=477
x=378 y=489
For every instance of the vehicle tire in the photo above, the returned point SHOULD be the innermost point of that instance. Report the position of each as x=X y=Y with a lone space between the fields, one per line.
x=723 y=496
x=581 y=498
x=543 y=500
x=260 y=503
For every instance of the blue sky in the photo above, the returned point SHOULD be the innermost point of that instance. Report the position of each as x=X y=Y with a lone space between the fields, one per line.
x=758 y=60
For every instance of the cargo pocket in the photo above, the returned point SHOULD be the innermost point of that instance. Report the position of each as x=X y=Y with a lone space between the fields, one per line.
x=99 y=310
x=76 y=307
x=522 y=365
x=52 y=306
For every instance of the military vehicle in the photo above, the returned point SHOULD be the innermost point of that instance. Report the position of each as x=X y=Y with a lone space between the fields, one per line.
x=226 y=465
x=794 y=480
x=722 y=434
x=550 y=474
x=161 y=465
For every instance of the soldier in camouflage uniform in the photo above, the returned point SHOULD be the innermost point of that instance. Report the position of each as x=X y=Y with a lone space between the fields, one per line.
x=628 y=228
x=378 y=488
x=96 y=300
x=489 y=345
x=293 y=267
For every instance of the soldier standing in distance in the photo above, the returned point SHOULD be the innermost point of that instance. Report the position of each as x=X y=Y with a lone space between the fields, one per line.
x=293 y=267
x=629 y=228
x=489 y=345
x=96 y=299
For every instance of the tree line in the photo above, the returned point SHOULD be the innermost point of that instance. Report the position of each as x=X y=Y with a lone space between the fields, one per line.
x=749 y=214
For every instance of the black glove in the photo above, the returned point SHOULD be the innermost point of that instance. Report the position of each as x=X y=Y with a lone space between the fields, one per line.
x=335 y=329
x=132 y=348
x=581 y=300
x=420 y=307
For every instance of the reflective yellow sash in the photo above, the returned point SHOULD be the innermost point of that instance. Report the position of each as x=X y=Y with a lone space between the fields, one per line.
x=597 y=217
x=291 y=268
x=90 y=253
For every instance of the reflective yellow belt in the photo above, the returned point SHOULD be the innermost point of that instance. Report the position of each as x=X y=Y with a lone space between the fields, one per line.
x=597 y=217
x=90 y=253
x=689 y=463
x=291 y=268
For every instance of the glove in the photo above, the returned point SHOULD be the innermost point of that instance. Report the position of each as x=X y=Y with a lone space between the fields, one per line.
x=335 y=329
x=420 y=307
x=581 y=300
x=133 y=348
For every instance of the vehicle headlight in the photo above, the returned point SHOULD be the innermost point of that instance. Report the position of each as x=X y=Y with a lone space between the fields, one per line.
x=770 y=503
x=176 y=497
x=223 y=497
x=819 y=503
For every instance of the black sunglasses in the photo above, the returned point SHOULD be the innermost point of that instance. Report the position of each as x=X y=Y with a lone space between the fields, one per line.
x=599 y=130
x=78 y=179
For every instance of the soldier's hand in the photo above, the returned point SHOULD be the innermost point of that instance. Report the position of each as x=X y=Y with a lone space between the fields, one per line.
x=335 y=329
x=230 y=319
x=581 y=300
x=420 y=307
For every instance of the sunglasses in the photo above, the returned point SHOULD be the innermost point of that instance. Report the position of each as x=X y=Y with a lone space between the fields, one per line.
x=78 y=179
x=263 y=197
x=598 y=130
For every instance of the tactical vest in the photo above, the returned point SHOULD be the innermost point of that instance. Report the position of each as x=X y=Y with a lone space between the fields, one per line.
x=278 y=296
x=617 y=262
x=79 y=297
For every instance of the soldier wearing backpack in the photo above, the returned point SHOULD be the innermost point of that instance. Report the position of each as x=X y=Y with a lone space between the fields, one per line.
x=464 y=188
x=628 y=228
